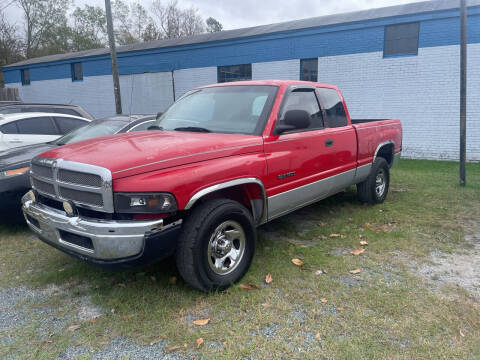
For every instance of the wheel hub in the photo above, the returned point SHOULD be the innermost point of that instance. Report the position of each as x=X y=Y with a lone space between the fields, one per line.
x=226 y=247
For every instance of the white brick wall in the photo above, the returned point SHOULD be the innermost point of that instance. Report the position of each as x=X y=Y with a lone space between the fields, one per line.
x=152 y=92
x=276 y=70
x=146 y=93
x=187 y=79
x=94 y=94
x=422 y=91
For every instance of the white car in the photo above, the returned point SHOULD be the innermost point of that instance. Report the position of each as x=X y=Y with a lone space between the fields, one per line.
x=32 y=128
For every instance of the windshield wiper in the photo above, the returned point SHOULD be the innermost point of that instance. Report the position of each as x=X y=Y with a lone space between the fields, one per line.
x=192 y=128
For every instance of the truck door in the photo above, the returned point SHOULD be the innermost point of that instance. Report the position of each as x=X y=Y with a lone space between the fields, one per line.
x=301 y=163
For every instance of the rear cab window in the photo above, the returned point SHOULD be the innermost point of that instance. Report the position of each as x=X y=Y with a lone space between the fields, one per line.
x=65 y=124
x=334 y=109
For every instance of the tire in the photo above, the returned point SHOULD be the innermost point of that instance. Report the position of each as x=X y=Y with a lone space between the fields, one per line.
x=205 y=255
x=369 y=191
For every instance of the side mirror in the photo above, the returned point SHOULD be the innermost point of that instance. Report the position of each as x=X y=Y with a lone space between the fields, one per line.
x=154 y=127
x=159 y=114
x=293 y=120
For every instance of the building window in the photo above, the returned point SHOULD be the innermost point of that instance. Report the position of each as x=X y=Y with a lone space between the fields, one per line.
x=234 y=73
x=309 y=70
x=401 y=39
x=25 y=74
x=77 y=72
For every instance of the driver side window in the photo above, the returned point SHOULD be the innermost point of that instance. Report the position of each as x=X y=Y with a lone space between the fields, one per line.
x=306 y=100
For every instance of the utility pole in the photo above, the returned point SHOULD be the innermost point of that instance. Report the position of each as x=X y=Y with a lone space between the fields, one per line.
x=463 y=90
x=113 y=55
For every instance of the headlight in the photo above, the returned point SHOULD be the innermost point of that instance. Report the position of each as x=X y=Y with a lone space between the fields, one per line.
x=138 y=203
x=14 y=172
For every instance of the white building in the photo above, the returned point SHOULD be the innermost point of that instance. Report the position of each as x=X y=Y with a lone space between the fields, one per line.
x=396 y=62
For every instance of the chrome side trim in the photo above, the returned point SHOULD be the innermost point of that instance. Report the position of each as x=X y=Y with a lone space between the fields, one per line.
x=362 y=172
x=260 y=220
x=291 y=200
x=382 y=145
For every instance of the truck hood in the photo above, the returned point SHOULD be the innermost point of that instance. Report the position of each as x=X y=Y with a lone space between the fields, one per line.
x=144 y=151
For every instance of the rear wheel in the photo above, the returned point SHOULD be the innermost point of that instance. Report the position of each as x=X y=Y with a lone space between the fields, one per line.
x=374 y=189
x=216 y=245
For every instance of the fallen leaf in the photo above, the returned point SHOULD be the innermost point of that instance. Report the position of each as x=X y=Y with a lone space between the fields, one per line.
x=367 y=224
x=356 y=271
x=201 y=322
x=358 y=251
x=199 y=342
x=266 y=304
x=323 y=300
x=122 y=285
x=334 y=235
x=173 y=280
x=245 y=286
x=185 y=345
x=224 y=342
x=153 y=278
x=363 y=242
x=73 y=327
x=340 y=308
x=268 y=279
x=317 y=336
x=112 y=311
x=173 y=348
x=103 y=342
x=298 y=262
x=319 y=272
x=462 y=334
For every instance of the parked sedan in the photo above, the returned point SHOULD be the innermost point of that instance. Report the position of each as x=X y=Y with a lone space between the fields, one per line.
x=34 y=128
x=14 y=107
x=15 y=163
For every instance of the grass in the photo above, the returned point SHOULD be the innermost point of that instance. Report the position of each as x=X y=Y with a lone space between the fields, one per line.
x=385 y=311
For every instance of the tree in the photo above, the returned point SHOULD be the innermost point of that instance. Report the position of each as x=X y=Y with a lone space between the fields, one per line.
x=174 y=22
x=45 y=24
x=10 y=42
x=89 y=28
x=213 y=25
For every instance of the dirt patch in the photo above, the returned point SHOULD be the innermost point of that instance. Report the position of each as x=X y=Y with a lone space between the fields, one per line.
x=461 y=268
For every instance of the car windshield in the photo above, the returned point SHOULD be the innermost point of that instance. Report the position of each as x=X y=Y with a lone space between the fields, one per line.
x=236 y=109
x=92 y=130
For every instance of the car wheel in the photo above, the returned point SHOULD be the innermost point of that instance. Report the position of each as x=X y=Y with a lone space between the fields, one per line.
x=216 y=245
x=374 y=189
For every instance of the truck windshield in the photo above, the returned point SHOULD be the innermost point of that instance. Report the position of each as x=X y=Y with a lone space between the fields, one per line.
x=235 y=109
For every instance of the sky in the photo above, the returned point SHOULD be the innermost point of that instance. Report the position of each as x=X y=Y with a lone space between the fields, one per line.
x=234 y=14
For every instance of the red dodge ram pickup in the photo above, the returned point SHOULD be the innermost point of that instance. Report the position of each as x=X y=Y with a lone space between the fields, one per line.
x=219 y=162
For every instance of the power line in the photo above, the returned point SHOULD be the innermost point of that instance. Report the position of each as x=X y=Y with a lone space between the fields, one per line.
x=6 y=6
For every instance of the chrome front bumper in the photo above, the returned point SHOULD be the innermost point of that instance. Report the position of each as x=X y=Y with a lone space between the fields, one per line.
x=110 y=240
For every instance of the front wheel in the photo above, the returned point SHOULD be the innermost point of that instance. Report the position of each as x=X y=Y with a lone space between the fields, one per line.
x=374 y=189
x=216 y=245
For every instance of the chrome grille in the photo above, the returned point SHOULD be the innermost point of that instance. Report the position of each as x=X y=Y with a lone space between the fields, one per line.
x=81 y=196
x=75 y=177
x=44 y=187
x=86 y=185
x=43 y=171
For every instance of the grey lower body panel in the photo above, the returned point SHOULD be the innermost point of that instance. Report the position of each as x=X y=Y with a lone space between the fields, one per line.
x=291 y=200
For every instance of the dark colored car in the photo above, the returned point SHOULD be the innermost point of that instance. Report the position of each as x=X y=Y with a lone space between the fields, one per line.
x=13 y=108
x=15 y=163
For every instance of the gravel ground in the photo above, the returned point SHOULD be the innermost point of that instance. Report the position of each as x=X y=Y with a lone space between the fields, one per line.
x=461 y=268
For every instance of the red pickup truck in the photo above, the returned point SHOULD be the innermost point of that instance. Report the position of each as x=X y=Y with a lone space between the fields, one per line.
x=221 y=161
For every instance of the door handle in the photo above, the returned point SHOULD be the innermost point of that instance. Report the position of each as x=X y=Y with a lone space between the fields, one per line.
x=328 y=142
x=15 y=141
